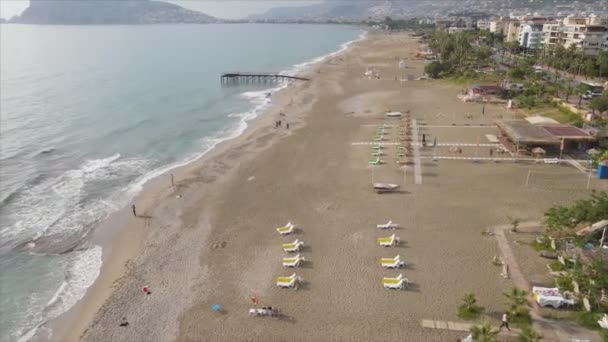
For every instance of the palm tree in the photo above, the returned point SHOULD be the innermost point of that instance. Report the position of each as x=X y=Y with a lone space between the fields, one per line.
x=483 y=333
x=469 y=308
x=516 y=301
x=528 y=334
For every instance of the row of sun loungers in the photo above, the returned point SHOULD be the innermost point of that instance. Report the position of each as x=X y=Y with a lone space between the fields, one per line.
x=399 y=282
x=291 y=262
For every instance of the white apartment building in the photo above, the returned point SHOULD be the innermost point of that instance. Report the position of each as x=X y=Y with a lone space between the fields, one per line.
x=589 y=34
x=531 y=35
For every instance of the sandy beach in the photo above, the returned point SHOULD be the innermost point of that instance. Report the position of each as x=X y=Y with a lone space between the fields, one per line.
x=212 y=238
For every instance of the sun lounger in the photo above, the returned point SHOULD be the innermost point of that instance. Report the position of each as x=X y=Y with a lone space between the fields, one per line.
x=385 y=187
x=392 y=262
x=287 y=282
x=388 y=225
x=293 y=262
x=294 y=246
x=265 y=311
x=377 y=153
x=395 y=283
x=379 y=138
x=286 y=229
x=377 y=147
x=376 y=161
x=390 y=241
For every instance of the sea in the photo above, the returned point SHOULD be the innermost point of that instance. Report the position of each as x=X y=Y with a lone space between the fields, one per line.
x=89 y=114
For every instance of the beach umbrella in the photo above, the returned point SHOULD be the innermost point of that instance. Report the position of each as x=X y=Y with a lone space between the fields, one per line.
x=216 y=307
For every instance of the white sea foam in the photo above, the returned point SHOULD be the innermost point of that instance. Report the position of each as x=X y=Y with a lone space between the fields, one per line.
x=45 y=208
x=83 y=268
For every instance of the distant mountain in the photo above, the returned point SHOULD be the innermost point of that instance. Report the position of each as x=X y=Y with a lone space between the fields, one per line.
x=102 y=12
x=378 y=9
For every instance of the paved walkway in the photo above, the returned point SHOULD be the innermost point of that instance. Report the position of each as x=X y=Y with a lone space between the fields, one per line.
x=459 y=326
x=552 y=331
x=417 y=166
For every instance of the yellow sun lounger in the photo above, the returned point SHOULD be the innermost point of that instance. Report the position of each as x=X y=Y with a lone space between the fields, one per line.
x=286 y=229
x=294 y=246
x=395 y=283
x=293 y=262
x=389 y=241
x=286 y=282
x=392 y=262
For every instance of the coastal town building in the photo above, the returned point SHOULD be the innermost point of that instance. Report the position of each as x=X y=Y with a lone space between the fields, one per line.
x=590 y=34
x=531 y=35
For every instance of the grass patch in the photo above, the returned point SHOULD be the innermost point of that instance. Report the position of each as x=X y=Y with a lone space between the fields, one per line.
x=560 y=114
x=564 y=283
x=469 y=314
x=588 y=319
x=543 y=245
x=521 y=320
x=557 y=266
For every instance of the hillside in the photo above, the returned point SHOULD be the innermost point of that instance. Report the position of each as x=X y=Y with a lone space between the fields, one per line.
x=378 y=9
x=102 y=12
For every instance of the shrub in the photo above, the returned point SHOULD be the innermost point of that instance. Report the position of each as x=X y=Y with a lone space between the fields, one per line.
x=469 y=309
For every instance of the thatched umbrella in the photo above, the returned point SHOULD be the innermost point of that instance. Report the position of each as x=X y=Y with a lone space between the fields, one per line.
x=538 y=152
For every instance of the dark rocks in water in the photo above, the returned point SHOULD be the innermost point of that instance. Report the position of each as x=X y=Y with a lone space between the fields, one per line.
x=103 y=12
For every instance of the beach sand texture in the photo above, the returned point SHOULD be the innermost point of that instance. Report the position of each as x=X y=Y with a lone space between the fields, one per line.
x=217 y=243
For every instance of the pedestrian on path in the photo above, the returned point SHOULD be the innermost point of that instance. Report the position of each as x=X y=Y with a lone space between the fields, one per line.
x=505 y=322
x=172 y=180
x=134 y=211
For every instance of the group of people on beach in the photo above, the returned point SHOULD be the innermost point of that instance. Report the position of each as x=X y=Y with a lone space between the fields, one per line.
x=279 y=122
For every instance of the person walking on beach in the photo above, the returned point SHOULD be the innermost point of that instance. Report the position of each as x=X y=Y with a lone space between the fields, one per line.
x=505 y=322
x=491 y=152
x=134 y=211
x=287 y=125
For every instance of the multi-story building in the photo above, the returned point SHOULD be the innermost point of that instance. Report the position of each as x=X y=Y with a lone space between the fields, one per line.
x=589 y=34
x=512 y=31
x=531 y=35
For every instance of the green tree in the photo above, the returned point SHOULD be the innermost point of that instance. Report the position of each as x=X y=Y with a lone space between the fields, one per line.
x=580 y=90
x=528 y=334
x=599 y=103
x=484 y=333
x=469 y=308
x=588 y=210
x=602 y=62
x=516 y=301
x=434 y=69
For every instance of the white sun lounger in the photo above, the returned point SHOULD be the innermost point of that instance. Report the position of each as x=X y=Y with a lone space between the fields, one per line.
x=286 y=229
x=293 y=262
x=267 y=311
x=392 y=262
x=377 y=154
x=376 y=161
x=390 y=241
x=294 y=246
x=388 y=225
x=398 y=283
x=379 y=138
x=286 y=282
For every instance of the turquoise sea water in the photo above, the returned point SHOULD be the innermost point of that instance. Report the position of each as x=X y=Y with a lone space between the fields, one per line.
x=89 y=113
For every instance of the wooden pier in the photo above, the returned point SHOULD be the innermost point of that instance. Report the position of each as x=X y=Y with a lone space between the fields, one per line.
x=256 y=77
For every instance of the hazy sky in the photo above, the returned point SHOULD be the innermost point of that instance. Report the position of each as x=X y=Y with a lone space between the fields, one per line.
x=229 y=9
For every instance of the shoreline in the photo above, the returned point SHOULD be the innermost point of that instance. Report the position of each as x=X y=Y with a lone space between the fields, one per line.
x=216 y=244
x=119 y=233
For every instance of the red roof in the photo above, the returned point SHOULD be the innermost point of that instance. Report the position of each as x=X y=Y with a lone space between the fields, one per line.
x=566 y=131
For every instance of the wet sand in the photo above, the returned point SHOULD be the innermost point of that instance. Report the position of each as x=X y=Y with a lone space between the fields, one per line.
x=217 y=243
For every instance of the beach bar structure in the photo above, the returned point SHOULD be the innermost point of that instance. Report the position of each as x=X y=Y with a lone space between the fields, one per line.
x=230 y=78
x=522 y=135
